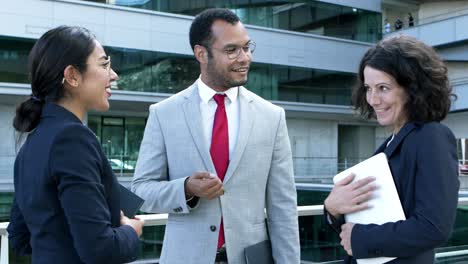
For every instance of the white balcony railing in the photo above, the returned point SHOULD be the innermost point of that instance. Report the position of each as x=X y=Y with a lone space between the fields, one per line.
x=161 y=219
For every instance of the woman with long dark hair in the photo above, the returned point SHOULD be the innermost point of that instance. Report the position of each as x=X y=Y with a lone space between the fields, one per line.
x=66 y=207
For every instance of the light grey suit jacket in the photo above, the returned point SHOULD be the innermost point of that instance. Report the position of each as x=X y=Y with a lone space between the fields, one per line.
x=259 y=176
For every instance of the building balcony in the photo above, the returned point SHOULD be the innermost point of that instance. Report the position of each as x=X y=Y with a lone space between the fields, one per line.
x=447 y=30
x=448 y=35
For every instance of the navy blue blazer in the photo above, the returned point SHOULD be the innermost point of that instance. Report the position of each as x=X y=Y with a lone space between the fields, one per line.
x=66 y=207
x=424 y=164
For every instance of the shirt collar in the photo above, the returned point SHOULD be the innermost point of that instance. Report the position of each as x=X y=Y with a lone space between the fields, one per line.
x=206 y=93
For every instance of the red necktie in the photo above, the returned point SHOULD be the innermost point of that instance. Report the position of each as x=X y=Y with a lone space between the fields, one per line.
x=219 y=149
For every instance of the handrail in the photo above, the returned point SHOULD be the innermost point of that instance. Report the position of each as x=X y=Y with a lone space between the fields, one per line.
x=441 y=16
x=161 y=219
x=430 y=19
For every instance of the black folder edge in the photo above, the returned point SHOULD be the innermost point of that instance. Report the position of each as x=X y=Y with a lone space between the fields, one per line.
x=259 y=253
x=130 y=203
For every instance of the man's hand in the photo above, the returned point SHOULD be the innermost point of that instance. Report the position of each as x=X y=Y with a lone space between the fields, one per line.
x=347 y=197
x=136 y=223
x=345 y=235
x=204 y=185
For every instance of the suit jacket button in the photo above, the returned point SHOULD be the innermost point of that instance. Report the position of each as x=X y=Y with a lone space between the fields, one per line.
x=213 y=228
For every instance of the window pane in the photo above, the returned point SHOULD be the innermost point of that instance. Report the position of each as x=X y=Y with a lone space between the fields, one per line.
x=150 y=71
x=134 y=129
x=313 y=17
x=120 y=139
x=14 y=57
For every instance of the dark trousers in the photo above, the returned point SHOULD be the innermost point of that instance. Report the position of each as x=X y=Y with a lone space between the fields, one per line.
x=221 y=256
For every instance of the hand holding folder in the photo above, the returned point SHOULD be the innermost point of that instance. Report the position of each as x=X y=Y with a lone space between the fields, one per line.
x=385 y=206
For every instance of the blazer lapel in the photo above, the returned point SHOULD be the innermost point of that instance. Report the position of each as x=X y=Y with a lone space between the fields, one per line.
x=404 y=131
x=245 y=126
x=191 y=108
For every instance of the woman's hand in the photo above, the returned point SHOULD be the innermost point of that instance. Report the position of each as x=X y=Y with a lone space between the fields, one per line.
x=347 y=197
x=136 y=223
x=345 y=236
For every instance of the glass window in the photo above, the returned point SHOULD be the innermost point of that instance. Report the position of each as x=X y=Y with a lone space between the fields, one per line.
x=151 y=71
x=120 y=138
x=14 y=57
x=313 y=17
x=113 y=138
x=134 y=129
x=170 y=73
x=94 y=123
x=462 y=147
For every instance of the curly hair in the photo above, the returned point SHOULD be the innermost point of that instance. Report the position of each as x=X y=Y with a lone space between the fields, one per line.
x=417 y=68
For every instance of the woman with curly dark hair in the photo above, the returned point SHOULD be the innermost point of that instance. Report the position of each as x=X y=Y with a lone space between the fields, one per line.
x=403 y=83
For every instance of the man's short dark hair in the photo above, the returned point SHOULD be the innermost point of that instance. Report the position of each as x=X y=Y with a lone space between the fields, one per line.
x=418 y=69
x=200 y=30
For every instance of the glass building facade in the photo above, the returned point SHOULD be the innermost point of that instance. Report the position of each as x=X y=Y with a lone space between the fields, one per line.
x=14 y=59
x=159 y=72
x=313 y=17
x=120 y=138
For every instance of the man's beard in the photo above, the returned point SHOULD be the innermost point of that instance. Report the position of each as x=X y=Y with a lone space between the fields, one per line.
x=220 y=79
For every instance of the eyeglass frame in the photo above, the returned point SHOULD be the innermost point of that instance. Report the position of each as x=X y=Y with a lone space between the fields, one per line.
x=236 y=53
x=108 y=68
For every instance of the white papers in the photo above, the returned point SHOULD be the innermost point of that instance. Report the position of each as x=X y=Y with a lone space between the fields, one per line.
x=385 y=204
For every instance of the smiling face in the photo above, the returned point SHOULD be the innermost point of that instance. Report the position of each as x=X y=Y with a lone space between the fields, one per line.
x=94 y=90
x=220 y=72
x=386 y=97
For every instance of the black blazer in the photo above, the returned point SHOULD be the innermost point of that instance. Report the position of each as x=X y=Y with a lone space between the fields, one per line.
x=424 y=164
x=66 y=207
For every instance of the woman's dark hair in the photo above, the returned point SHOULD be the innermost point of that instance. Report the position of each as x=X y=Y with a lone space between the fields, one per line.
x=200 y=30
x=417 y=68
x=51 y=54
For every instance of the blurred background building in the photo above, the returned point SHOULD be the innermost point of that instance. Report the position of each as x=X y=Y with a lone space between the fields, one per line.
x=306 y=61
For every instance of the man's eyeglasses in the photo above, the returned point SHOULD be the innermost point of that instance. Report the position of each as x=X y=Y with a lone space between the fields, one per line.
x=233 y=52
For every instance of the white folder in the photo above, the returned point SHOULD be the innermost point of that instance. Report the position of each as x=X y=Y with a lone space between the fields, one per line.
x=385 y=204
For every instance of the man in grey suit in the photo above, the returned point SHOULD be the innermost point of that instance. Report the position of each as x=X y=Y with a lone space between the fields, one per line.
x=215 y=155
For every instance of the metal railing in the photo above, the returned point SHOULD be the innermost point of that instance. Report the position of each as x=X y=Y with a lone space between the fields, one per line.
x=322 y=167
x=427 y=20
x=161 y=219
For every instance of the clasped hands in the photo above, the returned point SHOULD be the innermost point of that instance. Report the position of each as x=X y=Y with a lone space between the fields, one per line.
x=203 y=185
x=348 y=197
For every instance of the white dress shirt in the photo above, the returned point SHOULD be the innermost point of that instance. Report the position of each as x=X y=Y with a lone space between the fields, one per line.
x=208 y=108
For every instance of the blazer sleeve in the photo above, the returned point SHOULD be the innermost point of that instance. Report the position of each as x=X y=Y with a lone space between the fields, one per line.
x=151 y=179
x=76 y=165
x=18 y=232
x=281 y=200
x=435 y=200
x=334 y=222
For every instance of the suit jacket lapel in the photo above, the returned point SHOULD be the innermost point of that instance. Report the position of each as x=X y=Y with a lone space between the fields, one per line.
x=245 y=126
x=404 y=131
x=191 y=108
